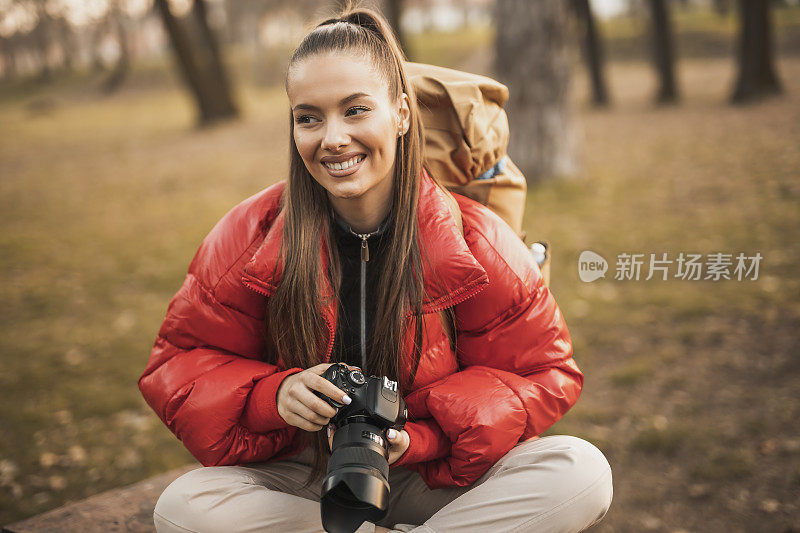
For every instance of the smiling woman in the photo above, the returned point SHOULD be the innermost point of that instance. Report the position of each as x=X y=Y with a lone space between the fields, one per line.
x=356 y=258
x=346 y=126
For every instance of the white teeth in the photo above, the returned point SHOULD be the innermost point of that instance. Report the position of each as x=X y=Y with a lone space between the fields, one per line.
x=345 y=164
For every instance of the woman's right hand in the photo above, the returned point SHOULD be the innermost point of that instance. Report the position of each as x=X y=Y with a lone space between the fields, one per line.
x=300 y=407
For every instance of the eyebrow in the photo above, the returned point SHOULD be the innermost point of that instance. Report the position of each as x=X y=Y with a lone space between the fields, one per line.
x=342 y=102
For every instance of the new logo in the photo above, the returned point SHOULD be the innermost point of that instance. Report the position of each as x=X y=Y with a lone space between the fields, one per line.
x=591 y=266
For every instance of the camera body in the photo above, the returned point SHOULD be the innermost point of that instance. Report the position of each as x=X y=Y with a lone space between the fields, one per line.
x=356 y=485
x=375 y=398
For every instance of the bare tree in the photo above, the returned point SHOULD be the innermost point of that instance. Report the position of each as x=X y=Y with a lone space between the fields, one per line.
x=663 y=51
x=121 y=68
x=757 y=77
x=200 y=62
x=721 y=7
x=8 y=48
x=97 y=33
x=43 y=38
x=66 y=41
x=394 y=13
x=532 y=59
x=242 y=20
x=592 y=50
x=212 y=50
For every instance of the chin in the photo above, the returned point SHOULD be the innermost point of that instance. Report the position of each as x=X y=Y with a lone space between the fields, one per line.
x=348 y=187
x=345 y=190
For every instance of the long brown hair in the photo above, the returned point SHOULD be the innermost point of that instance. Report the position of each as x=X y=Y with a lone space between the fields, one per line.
x=309 y=218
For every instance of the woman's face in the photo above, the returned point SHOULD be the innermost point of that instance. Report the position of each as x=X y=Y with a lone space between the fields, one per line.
x=345 y=126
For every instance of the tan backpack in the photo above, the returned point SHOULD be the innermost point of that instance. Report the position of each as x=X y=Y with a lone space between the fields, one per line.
x=466 y=137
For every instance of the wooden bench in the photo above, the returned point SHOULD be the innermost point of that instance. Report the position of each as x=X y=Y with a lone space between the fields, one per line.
x=124 y=509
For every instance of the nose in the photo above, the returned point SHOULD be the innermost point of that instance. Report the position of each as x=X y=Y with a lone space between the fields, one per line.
x=335 y=136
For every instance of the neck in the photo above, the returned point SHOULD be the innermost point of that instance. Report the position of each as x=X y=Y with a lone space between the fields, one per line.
x=364 y=213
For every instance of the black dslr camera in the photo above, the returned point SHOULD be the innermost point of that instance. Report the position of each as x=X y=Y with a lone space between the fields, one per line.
x=356 y=486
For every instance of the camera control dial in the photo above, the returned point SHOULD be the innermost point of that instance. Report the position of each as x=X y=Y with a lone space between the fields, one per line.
x=356 y=378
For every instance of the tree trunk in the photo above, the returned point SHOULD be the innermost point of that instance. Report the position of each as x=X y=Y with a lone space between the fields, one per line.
x=42 y=37
x=9 y=57
x=757 y=76
x=592 y=48
x=210 y=92
x=66 y=41
x=122 y=67
x=213 y=59
x=98 y=34
x=721 y=7
x=663 y=52
x=394 y=12
x=532 y=59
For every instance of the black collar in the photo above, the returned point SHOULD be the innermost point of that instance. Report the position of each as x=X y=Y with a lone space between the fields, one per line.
x=349 y=231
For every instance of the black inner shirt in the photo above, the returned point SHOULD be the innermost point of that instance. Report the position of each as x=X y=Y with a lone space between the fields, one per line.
x=347 y=347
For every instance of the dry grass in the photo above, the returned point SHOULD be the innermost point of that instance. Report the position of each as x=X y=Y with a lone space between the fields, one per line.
x=691 y=385
x=103 y=205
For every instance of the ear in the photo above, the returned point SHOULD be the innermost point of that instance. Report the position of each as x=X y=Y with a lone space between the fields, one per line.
x=404 y=115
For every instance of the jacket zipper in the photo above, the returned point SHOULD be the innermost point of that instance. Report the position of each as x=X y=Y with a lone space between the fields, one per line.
x=363 y=304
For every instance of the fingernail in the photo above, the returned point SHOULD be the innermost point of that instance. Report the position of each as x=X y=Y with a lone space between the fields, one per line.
x=391 y=434
x=329 y=432
x=346 y=399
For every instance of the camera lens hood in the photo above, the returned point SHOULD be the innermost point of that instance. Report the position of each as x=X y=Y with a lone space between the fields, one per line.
x=356 y=486
x=352 y=495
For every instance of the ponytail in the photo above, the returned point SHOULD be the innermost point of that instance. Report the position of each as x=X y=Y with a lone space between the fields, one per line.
x=365 y=35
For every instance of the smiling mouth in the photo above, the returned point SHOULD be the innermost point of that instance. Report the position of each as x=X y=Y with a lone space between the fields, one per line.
x=344 y=165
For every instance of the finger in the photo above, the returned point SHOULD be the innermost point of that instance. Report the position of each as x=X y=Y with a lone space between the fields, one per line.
x=313 y=428
x=398 y=446
x=302 y=409
x=302 y=423
x=399 y=441
x=305 y=394
x=320 y=368
x=318 y=383
x=314 y=403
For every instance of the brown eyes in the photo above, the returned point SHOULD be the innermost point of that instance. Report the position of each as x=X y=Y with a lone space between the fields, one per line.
x=307 y=119
x=361 y=108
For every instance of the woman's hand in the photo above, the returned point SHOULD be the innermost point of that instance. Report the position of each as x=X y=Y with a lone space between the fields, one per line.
x=300 y=407
x=398 y=444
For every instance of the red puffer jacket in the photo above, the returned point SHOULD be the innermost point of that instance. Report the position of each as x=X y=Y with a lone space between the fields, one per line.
x=513 y=377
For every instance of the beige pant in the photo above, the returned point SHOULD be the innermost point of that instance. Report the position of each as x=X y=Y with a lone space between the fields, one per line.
x=555 y=483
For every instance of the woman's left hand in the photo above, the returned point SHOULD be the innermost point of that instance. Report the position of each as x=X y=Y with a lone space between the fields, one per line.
x=397 y=444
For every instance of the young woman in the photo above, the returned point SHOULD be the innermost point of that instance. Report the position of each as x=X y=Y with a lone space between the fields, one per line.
x=361 y=257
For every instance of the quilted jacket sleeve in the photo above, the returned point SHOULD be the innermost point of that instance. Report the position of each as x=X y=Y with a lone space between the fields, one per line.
x=517 y=376
x=204 y=377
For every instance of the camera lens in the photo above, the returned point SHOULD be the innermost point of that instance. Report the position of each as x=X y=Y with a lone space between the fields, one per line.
x=356 y=485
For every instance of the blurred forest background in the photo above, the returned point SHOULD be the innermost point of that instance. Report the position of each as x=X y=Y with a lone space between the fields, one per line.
x=129 y=127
